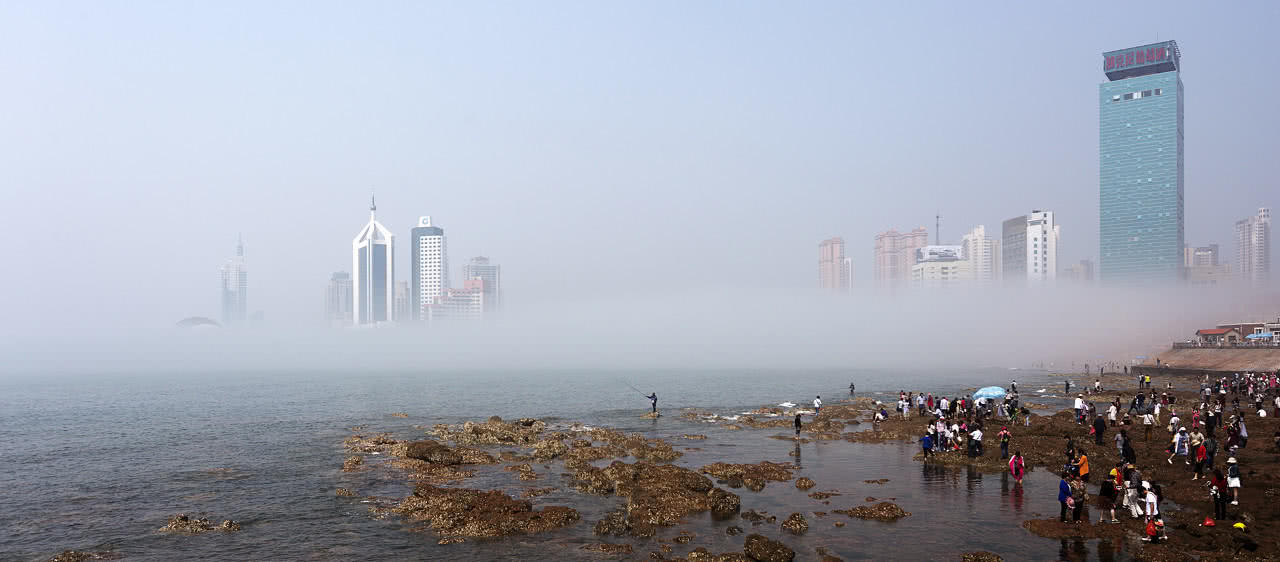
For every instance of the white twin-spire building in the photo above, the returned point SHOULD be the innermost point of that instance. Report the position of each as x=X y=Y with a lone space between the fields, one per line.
x=373 y=266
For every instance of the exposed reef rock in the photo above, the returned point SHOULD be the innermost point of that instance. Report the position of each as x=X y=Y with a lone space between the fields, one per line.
x=466 y=513
x=180 y=523
x=883 y=511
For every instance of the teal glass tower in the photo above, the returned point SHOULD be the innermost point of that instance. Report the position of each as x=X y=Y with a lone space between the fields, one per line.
x=1140 y=159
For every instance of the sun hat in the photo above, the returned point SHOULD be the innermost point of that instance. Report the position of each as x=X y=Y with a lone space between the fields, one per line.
x=1231 y=460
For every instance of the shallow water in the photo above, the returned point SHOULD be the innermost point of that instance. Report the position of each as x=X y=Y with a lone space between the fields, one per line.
x=101 y=462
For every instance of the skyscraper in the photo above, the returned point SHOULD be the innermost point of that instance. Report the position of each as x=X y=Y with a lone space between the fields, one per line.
x=1140 y=155
x=235 y=287
x=895 y=253
x=1042 y=251
x=982 y=255
x=338 y=299
x=1013 y=251
x=429 y=270
x=833 y=266
x=491 y=273
x=1253 y=247
x=372 y=260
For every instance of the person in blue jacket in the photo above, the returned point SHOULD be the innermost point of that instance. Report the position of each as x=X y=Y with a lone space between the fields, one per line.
x=1064 y=493
x=926 y=443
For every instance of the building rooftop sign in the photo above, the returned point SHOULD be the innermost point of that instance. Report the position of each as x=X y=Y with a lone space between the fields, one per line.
x=1141 y=61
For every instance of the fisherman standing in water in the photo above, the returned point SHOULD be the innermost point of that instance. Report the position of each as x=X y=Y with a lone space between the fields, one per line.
x=653 y=397
x=851 y=388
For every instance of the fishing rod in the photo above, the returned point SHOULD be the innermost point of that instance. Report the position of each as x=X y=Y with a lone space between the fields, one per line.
x=635 y=389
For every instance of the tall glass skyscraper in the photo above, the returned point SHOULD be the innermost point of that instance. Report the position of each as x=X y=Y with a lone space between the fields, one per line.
x=1140 y=158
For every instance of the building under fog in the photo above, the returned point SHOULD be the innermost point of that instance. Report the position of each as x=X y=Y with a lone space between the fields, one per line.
x=1253 y=247
x=337 y=301
x=895 y=254
x=491 y=273
x=428 y=268
x=235 y=288
x=982 y=254
x=834 y=269
x=372 y=261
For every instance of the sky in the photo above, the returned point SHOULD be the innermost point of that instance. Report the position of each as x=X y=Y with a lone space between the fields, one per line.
x=594 y=149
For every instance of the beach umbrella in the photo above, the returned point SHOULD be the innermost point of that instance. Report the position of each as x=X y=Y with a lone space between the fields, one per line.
x=993 y=392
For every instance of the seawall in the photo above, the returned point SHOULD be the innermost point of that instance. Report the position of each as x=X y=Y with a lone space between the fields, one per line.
x=1194 y=361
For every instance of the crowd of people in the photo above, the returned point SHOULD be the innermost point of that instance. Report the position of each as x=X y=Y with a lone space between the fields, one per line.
x=1217 y=427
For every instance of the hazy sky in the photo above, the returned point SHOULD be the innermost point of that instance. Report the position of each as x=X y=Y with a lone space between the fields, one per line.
x=590 y=148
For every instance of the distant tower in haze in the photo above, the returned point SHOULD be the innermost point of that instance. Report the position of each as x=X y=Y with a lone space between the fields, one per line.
x=429 y=267
x=491 y=273
x=1013 y=251
x=1253 y=247
x=833 y=266
x=338 y=299
x=372 y=254
x=235 y=285
x=402 y=308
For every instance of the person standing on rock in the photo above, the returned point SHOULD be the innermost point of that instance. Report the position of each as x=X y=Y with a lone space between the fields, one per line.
x=1099 y=427
x=653 y=398
x=1064 y=494
x=1004 y=436
x=817 y=405
x=851 y=389
x=1218 y=491
x=1133 y=491
x=798 y=425
x=1148 y=422
x=1233 y=480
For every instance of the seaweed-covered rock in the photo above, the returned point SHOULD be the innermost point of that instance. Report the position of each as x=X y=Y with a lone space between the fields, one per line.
x=657 y=495
x=344 y=492
x=431 y=451
x=608 y=548
x=181 y=523
x=548 y=449
x=352 y=463
x=435 y=473
x=763 y=549
x=805 y=483
x=883 y=511
x=980 y=556
x=462 y=512
x=724 y=504
x=522 y=432
x=795 y=524
x=378 y=443
x=753 y=476
x=81 y=556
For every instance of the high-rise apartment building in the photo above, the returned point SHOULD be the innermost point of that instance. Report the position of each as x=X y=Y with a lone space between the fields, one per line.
x=429 y=270
x=833 y=266
x=1042 y=246
x=1253 y=247
x=982 y=255
x=491 y=273
x=1013 y=251
x=338 y=299
x=372 y=260
x=235 y=288
x=895 y=253
x=1079 y=272
x=1140 y=156
x=466 y=303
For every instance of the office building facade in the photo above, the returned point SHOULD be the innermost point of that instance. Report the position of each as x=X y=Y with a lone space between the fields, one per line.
x=982 y=254
x=429 y=270
x=1013 y=250
x=373 y=262
x=1141 y=216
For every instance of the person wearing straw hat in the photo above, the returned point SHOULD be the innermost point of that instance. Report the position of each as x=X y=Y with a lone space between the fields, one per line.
x=1233 y=480
x=1179 y=444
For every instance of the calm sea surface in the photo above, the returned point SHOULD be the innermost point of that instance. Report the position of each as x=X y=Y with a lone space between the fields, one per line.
x=100 y=462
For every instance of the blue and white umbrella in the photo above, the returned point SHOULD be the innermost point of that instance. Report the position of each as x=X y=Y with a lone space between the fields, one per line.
x=992 y=392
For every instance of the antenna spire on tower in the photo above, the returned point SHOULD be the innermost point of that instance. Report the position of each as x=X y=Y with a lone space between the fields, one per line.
x=239 y=245
x=937 y=229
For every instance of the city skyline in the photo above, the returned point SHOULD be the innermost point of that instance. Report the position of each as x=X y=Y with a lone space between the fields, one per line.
x=740 y=131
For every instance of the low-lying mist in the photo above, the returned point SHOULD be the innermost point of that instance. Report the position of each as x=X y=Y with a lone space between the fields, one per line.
x=694 y=329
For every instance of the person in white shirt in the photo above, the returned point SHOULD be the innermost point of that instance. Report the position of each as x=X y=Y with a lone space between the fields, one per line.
x=975 y=447
x=1147 y=422
x=1079 y=408
x=1111 y=414
x=817 y=405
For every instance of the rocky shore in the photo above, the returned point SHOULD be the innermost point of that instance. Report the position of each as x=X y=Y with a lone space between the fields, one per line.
x=656 y=492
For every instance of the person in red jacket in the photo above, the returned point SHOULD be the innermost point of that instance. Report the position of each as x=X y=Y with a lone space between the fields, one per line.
x=1218 y=490
x=1201 y=455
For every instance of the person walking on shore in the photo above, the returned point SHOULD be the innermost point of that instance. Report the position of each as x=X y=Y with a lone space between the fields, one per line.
x=1218 y=491
x=1133 y=489
x=1201 y=455
x=1078 y=497
x=1107 y=498
x=798 y=424
x=1004 y=436
x=1178 y=445
x=1082 y=466
x=1099 y=427
x=1148 y=421
x=1233 y=480
x=1064 y=494
x=926 y=442
x=817 y=405
x=1017 y=467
